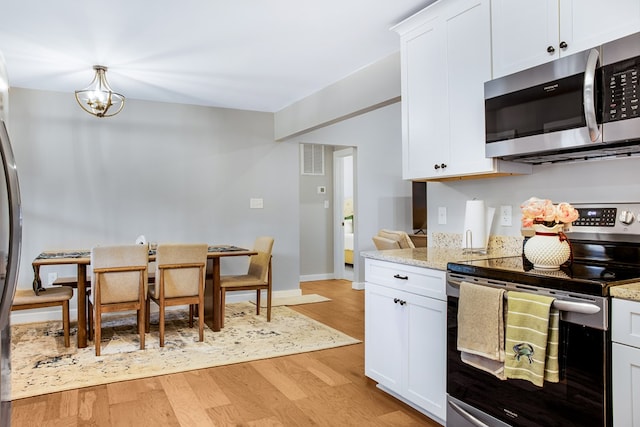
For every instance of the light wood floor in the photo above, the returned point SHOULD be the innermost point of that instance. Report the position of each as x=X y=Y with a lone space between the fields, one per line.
x=322 y=388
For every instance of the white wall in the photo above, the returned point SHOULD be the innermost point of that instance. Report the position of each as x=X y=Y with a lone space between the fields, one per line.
x=316 y=222
x=369 y=88
x=171 y=172
x=613 y=180
x=383 y=199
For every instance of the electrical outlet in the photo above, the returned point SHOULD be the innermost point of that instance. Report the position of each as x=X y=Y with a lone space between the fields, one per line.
x=442 y=215
x=52 y=277
x=505 y=215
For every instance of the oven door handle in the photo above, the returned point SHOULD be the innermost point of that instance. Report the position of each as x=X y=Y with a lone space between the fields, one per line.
x=467 y=416
x=576 y=307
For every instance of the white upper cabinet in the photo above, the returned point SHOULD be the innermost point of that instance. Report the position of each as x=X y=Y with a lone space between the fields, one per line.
x=424 y=99
x=446 y=58
x=467 y=65
x=521 y=33
x=526 y=33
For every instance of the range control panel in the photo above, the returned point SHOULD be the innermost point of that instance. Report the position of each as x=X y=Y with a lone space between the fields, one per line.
x=596 y=217
x=619 y=218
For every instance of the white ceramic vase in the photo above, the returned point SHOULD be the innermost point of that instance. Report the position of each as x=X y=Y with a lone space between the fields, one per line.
x=546 y=250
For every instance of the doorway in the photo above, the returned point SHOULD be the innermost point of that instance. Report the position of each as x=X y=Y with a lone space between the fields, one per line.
x=345 y=219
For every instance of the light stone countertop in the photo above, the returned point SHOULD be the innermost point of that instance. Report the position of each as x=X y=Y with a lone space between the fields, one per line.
x=434 y=258
x=630 y=291
x=446 y=247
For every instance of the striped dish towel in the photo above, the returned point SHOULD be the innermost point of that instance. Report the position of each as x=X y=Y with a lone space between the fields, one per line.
x=531 y=339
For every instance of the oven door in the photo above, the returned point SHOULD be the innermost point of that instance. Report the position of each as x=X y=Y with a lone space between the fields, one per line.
x=579 y=399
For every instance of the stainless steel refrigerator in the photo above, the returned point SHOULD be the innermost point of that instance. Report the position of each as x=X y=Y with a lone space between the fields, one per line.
x=10 y=243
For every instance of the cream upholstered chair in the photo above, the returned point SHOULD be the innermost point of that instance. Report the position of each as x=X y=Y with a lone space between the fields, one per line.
x=390 y=239
x=179 y=280
x=258 y=277
x=50 y=297
x=119 y=284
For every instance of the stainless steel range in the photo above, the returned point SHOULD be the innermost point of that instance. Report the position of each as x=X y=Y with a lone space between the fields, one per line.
x=605 y=243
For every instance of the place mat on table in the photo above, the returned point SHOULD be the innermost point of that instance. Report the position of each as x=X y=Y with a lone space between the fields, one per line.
x=225 y=248
x=62 y=254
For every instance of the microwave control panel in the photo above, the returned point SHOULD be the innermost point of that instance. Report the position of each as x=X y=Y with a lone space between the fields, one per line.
x=621 y=90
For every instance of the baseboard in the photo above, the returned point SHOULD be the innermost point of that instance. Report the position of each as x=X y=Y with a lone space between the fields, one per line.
x=314 y=277
x=41 y=315
x=251 y=295
x=55 y=313
x=358 y=286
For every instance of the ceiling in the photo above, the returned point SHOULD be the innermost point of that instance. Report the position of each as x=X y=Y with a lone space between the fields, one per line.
x=260 y=55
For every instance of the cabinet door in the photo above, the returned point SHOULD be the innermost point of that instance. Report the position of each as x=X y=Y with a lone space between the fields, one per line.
x=522 y=32
x=588 y=23
x=468 y=65
x=424 y=98
x=426 y=374
x=385 y=336
x=626 y=385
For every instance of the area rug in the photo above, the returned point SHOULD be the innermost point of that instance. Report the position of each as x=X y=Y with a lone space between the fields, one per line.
x=297 y=300
x=41 y=364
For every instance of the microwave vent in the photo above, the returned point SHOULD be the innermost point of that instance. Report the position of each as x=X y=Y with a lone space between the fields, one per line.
x=596 y=151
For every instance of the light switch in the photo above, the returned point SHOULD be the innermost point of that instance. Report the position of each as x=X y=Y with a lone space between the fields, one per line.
x=255 y=203
x=442 y=215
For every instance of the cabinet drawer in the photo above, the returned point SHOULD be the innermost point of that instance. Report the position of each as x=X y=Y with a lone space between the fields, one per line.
x=625 y=320
x=408 y=278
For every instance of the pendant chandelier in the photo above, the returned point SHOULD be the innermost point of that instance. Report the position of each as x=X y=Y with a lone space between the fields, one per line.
x=98 y=98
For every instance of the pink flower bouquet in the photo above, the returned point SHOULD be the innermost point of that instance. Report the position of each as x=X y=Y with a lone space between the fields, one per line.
x=543 y=211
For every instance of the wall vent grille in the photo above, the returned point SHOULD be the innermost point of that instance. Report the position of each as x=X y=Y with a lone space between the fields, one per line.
x=312 y=159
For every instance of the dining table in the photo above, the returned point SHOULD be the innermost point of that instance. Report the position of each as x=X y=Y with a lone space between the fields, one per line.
x=82 y=259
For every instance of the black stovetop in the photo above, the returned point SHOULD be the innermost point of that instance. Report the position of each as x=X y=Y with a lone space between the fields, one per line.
x=605 y=253
x=591 y=278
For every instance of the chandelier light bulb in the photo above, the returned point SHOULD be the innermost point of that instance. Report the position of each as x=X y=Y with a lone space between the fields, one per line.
x=98 y=98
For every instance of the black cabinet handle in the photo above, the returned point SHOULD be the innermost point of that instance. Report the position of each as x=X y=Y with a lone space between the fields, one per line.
x=563 y=45
x=397 y=276
x=398 y=300
x=550 y=49
x=436 y=166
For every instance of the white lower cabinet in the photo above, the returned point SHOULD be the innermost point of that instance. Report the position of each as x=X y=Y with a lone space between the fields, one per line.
x=405 y=334
x=625 y=332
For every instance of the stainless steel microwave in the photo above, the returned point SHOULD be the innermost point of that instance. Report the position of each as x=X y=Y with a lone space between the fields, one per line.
x=581 y=106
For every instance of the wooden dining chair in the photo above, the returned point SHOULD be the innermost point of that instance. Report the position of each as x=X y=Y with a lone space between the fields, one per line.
x=179 y=280
x=258 y=277
x=50 y=297
x=119 y=284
